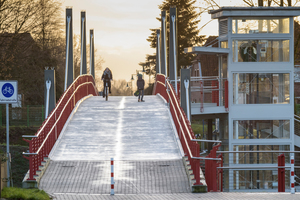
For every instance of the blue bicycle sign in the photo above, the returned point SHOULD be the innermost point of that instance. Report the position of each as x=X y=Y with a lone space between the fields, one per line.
x=7 y=90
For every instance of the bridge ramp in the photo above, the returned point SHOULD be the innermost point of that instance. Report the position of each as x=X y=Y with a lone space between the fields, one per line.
x=138 y=135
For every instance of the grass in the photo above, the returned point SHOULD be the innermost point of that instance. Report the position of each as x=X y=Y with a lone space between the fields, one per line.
x=19 y=193
x=198 y=128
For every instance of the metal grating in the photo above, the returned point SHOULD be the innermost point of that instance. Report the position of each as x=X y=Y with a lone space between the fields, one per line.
x=223 y=27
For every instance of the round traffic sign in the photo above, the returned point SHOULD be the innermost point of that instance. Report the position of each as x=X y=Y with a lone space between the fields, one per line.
x=7 y=90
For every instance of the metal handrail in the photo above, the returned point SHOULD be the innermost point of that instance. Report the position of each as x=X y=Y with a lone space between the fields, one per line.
x=256 y=167
x=52 y=113
x=180 y=112
x=274 y=151
x=200 y=140
x=45 y=139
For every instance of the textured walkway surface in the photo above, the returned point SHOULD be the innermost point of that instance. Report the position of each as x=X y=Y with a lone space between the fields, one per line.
x=121 y=128
x=183 y=196
x=131 y=177
x=138 y=135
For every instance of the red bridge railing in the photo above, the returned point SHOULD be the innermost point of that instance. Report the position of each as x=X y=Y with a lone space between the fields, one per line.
x=42 y=142
x=183 y=127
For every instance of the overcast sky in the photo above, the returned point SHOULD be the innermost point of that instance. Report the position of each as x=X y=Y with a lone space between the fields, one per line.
x=122 y=27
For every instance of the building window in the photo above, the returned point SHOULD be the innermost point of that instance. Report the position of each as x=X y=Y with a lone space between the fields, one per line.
x=261 y=50
x=260 y=25
x=224 y=44
x=261 y=129
x=261 y=88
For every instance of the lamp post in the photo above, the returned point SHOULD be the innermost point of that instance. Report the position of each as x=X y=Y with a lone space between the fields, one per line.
x=132 y=79
x=143 y=71
x=129 y=84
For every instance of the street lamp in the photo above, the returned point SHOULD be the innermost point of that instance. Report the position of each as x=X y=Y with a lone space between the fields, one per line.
x=129 y=84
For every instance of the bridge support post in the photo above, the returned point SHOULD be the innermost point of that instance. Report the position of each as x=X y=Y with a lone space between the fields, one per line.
x=163 y=51
x=158 y=57
x=49 y=74
x=92 y=56
x=83 y=44
x=185 y=74
x=173 y=47
x=69 y=73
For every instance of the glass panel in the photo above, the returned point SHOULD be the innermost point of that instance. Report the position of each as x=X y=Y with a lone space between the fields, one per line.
x=260 y=50
x=224 y=44
x=261 y=88
x=254 y=26
x=234 y=26
x=261 y=129
x=261 y=157
x=258 y=179
x=224 y=67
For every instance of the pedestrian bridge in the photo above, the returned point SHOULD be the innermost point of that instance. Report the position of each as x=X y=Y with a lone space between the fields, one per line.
x=140 y=138
x=151 y=143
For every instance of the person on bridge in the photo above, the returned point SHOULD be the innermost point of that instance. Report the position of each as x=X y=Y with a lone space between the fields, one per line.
x=140 y=83
x=106 y=78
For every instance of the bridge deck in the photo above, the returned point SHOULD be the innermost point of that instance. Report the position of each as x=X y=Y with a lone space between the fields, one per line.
x=138 y=136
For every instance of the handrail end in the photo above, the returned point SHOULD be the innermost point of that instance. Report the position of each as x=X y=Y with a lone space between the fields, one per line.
x=29 y=136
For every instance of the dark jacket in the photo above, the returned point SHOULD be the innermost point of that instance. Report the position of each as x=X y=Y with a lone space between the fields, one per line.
x=140 y=83
x=107 y=75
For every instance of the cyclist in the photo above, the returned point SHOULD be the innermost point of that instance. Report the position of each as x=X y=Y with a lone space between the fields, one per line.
x=106 y=78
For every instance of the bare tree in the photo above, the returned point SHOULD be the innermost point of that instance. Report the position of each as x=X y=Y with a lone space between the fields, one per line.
x=119 y=88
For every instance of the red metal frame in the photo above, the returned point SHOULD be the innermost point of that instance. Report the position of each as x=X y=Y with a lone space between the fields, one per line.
x=41 y=144
x=211 y=171
x=281 y=173
x=183 y=127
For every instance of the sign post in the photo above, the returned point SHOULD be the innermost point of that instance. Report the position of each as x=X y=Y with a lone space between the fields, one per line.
x=8 y=95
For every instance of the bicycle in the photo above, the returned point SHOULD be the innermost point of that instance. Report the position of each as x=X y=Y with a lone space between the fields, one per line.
x=7 y=90
x=106 y=91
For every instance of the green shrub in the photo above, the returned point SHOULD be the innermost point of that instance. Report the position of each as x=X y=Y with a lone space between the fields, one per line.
x=19 y=193
x=19 y=164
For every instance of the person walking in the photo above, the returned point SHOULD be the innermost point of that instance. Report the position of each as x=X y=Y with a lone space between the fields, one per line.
x=140 y=83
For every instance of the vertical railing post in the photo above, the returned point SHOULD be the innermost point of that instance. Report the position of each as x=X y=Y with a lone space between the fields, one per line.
x=292 y=175
x=220 y=174
x=112 y=182
x=211 y=170
x=197 y=164
x=281 y=173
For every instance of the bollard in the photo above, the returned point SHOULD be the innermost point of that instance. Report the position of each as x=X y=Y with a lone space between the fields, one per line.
x=112 y=192
x=292 y=175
